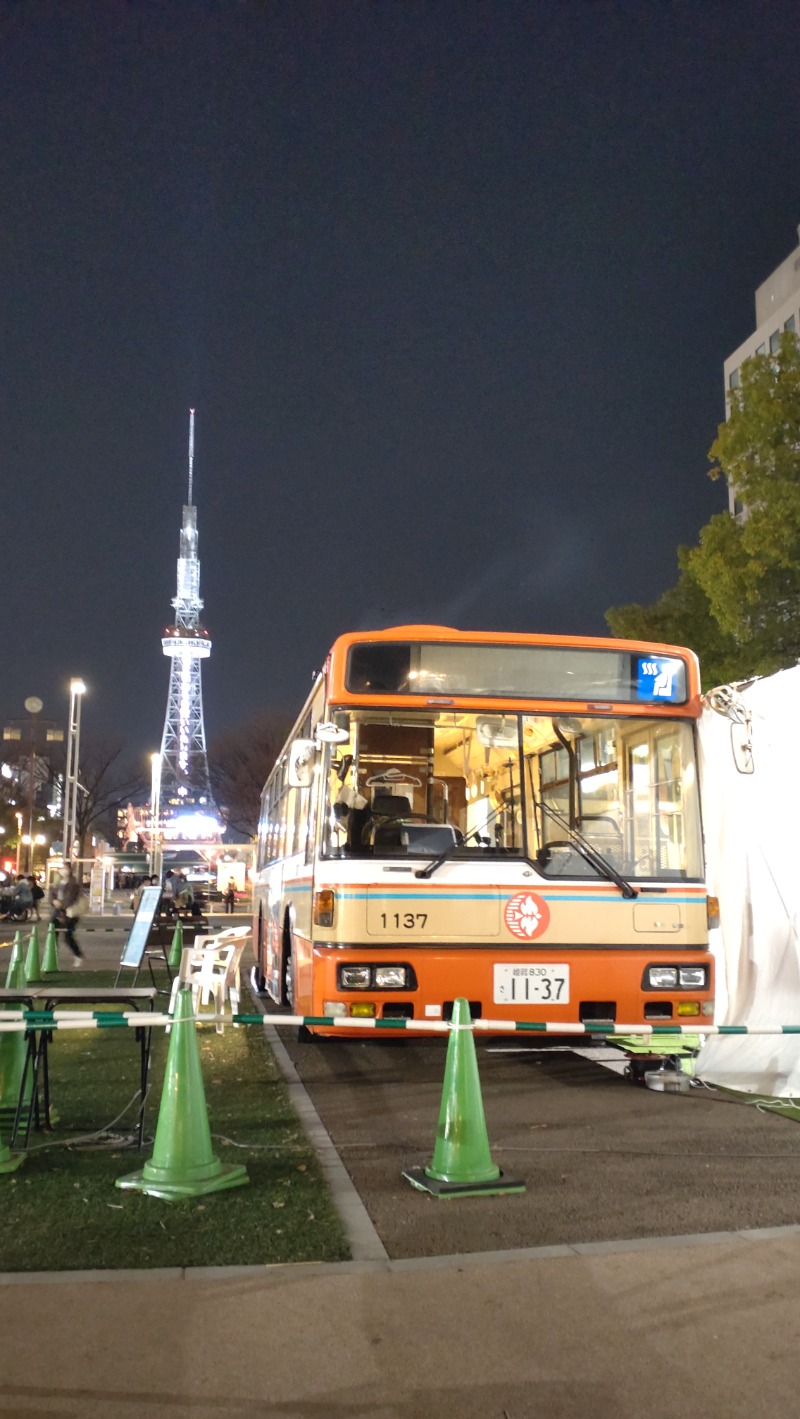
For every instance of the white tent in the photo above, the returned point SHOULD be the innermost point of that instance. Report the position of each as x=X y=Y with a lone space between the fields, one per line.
x=753 y=862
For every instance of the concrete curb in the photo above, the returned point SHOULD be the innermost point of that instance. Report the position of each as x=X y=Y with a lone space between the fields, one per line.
x=458 y=1261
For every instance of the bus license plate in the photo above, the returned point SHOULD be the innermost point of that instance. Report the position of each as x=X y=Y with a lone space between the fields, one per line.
x=544 y=984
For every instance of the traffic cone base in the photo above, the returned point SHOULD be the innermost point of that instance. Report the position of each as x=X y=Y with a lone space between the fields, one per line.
x=152 y=1181
x=421 y=1179
x=462 y=1163
x=9 y=1162
x=183 y=1164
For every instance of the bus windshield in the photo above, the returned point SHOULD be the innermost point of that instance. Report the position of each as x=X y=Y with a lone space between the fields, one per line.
x=422 y=784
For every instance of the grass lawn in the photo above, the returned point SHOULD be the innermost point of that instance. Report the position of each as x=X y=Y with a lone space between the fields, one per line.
x=61 y=1210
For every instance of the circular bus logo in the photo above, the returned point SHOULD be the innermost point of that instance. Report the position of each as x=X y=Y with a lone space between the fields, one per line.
x=526 y=915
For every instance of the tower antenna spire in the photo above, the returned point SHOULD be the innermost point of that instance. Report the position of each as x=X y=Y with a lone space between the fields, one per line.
x=191 y=453
x=185 y=785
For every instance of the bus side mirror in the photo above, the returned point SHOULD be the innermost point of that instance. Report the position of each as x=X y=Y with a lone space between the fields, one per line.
x=301 y=763
x=742 y=746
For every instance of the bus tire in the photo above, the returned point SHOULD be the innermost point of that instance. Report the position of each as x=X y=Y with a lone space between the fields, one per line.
x=287 y=972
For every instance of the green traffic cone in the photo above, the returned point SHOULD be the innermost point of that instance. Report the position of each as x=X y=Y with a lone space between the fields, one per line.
x=9 y=1161
x=183 y=1163
x=50 y=962
x=15 y=979
x=462 y=1164
x=177 y=946
x=33 y=964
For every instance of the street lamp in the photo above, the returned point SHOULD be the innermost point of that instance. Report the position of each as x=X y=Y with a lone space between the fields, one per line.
x=77 y=690
x=37 y=840
x=155 y=816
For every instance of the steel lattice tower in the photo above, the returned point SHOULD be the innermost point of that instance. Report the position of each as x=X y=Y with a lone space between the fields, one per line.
x=184 y=764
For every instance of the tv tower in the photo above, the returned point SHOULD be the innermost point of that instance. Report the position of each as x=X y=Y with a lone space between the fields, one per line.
x=185 y=786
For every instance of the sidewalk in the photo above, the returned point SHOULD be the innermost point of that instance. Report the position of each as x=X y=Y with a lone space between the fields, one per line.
x=654 y=1330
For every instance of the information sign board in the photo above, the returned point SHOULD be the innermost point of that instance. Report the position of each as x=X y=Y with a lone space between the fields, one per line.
x=139 y=933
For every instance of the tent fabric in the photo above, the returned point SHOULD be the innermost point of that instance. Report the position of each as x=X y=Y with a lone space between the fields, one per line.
x=753 y=867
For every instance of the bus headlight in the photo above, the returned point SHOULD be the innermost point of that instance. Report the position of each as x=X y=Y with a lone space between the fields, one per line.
x=391 y=978
x=354 y=977
x=660 y=978
x=692 y=977
x=676 y=978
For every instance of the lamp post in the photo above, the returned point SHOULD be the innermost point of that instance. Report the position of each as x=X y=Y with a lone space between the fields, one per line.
x=77 y=690
x=155 y=816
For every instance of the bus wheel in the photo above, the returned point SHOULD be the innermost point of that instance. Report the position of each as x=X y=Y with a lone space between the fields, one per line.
x=287 y=976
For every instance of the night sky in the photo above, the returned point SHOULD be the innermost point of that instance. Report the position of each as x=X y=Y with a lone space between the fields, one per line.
x=450 y=286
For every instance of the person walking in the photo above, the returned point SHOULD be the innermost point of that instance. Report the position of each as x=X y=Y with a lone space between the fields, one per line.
x=229 y=896
x=37 y=893
x=64 y=896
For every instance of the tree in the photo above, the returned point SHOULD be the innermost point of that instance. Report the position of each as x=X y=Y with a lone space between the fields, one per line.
x=239 y=764
x=106 y=783
x=737 y=599
x=749 y=567
x=683 y=616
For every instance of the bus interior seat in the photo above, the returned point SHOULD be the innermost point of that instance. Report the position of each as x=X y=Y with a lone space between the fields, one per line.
x=384 y=828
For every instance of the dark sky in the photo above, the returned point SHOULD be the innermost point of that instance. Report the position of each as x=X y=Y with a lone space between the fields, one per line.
x=449 y=284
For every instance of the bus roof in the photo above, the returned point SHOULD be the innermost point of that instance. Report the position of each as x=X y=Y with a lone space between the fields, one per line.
x=338 y=692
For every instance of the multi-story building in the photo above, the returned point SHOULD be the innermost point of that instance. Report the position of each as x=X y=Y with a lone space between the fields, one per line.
x=777 y=309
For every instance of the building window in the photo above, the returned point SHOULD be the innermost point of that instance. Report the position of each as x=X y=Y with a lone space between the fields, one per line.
x=790 y=323
x=733 y=379
x=774 y=342
x=762 y=350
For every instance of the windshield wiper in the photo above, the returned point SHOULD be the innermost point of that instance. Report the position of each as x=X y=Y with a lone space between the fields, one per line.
x=592 y=856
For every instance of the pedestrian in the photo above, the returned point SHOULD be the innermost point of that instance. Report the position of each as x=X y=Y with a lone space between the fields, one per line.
x=137 y=896
x=22 y=896
x=64 y=896
x=229 y=896
x=168 y=893
x=37 y=893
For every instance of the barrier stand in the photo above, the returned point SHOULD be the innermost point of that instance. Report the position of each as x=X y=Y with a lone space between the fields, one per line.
x=33 y=964
x=174 y=959
x=462 y=1164
x=183 y=1163
x=50 y=962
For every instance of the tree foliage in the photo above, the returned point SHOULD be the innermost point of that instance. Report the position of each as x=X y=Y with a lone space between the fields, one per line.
x=239 y=763
x=737 y=599
x=682 y=616
x=105 y=784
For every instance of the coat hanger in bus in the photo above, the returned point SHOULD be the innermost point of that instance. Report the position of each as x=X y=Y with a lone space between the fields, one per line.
x=393 y=776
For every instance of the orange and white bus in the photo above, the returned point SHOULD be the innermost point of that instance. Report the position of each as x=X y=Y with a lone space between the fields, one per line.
x=509 y=818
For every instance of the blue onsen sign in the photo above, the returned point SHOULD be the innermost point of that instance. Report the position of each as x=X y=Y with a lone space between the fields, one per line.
x=662 y=680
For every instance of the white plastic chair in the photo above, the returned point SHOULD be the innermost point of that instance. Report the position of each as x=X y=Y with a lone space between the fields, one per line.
x=210 y=968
